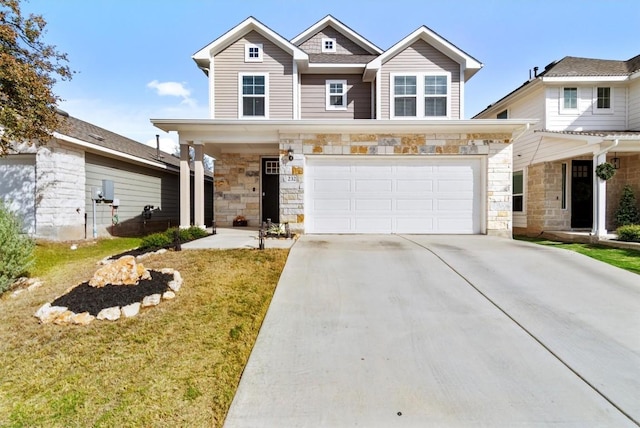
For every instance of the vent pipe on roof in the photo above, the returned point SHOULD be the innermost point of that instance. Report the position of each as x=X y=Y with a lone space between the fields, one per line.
x=535 y=71
x=157 y=146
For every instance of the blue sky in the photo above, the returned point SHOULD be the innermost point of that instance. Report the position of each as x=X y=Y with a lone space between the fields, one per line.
x=133 y=57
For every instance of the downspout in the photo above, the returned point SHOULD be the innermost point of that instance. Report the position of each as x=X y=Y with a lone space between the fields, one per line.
x=600 y=186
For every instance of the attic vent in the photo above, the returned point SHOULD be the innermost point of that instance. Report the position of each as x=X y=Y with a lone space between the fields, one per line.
x=97 y=137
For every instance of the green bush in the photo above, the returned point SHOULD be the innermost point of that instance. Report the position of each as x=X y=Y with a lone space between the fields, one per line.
x=194 y=232
x=630 y=233
x=16 y=251
x=627 y=212
x=166 y=238
x=155 y=241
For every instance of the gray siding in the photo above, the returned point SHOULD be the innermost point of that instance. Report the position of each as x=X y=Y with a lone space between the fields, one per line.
x=344 y=45
x=18 y=188
x=313 y=94
x=420 y=57
x=276 y=62
x=634 y=105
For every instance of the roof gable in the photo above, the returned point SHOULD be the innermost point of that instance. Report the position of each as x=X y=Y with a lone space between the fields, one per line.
x=330 y=21
x=469 y=63
x=204 y=55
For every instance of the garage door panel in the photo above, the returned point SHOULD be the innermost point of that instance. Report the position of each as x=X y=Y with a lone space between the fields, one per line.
x=392 y=195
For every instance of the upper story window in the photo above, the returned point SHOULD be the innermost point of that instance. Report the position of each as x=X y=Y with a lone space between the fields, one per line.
x=504 y=114
x=423 y=95
x=602 y=100
x=253 y=52
x=253 y=95
x=569 y=98
x=328 y=45
x=336 y=95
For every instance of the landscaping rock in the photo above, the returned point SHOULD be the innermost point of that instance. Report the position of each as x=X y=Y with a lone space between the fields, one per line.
x=152 y=300
x=64 y=318
x=47 y=313
x=177 y=281
x=124 y=271
x=131 y=310
x=168 y=295
x=82 y=319
x=110 y=314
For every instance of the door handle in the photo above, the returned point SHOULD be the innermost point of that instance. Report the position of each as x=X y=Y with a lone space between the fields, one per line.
x=264 y=194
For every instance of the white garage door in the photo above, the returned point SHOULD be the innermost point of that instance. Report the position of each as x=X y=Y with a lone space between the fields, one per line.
x=17 y=188
x=392 y=195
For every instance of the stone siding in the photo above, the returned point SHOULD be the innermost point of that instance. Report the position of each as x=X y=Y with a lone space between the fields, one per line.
x=237 y=188
x=629 y=173
x=60 y=178
x=544 y=198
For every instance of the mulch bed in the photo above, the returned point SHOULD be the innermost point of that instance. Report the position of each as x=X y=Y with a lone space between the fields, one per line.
x=85 y=298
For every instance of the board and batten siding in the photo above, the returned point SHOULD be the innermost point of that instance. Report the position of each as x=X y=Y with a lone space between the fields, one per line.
x=634 y=105
x=344 y=45
x=585 y=119
x=135 y=187
x=276 y=62
x=313 y=94
x=420 y=57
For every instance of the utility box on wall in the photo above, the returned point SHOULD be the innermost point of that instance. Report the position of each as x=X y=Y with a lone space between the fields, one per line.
x=107 y=190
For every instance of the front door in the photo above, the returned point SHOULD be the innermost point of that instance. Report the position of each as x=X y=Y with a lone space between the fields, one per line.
x=581 y=194
x=271 y=190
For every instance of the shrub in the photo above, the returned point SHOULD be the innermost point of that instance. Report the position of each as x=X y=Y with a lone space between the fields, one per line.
x=627 y=212
x=156 y=240
x=630 y=233
x=166 y=238
x=16 y=251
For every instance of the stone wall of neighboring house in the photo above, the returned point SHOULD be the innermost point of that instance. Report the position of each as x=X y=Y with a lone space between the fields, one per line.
x=543 y=193
x=237 y=188
x=629 y=173
x=495 y=147
x=60 y=178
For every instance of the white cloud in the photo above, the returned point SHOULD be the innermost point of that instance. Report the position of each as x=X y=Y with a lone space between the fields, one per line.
x=172 y=89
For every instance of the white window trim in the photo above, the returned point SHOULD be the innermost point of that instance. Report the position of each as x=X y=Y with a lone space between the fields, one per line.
x=241 y=96
x=597 y=110
x=420 y=95
x=328 y=105
x=524 y=190
x=248 y=46
x=328 y=39
x=564 y=110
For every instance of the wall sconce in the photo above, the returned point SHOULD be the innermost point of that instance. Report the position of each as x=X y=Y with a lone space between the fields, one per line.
x=290 y=153
x=615 y=161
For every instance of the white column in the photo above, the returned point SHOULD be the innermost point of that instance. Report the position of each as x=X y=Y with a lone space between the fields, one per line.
x=600 y=199
x=185 y=186
x=198 y=185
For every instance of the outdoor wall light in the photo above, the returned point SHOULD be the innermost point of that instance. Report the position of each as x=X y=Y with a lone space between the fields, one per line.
x=615 y=161
x=290 y=153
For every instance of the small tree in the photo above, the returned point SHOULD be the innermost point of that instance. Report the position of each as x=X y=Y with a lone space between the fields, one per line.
x=627 y=212
x=16 y=251
x=28 y=67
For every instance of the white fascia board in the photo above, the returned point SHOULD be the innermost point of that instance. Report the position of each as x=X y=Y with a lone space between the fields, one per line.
x=331 y=21
x=584 y=79
x=250 y=24
x=321 y=68
x=634 y=75
x=105 y=150
x=589 y=139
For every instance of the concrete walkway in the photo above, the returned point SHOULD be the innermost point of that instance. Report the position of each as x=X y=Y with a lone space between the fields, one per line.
x=236 y=237
x=414 y=331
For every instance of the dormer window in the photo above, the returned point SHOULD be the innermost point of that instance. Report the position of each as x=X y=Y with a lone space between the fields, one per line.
x=253 y=52
x=328 y=45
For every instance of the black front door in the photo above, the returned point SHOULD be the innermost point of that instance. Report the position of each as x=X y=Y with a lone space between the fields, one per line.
x=271 y=189
x=581 y=194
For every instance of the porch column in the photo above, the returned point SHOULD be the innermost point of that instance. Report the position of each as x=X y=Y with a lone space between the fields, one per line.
x=198 y=185
x=600 y=200
x=185 y=186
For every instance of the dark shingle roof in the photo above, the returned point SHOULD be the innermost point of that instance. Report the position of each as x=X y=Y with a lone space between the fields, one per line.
x=93 y=134
x=574 y=66
x=340 y=59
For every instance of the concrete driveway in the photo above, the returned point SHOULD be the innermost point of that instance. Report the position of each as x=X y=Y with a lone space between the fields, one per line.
x=415 y=331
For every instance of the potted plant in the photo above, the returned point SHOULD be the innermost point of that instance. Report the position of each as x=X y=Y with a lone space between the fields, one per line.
x=239 y=221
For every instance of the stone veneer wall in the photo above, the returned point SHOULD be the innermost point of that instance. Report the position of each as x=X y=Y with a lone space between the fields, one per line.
x=496 y=147
x=237 y=188
x=60 y=178
x=544 y=199
x=629 y=173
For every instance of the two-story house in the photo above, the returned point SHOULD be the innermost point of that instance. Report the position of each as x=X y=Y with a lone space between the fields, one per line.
x=589 y=113
x=331 y=134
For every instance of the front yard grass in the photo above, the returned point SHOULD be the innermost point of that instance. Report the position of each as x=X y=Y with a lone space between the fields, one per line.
x=623 y=258
x=177 y=364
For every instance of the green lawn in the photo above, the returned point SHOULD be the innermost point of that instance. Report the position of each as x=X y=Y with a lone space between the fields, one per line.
x=177 y=364
x=619 y=257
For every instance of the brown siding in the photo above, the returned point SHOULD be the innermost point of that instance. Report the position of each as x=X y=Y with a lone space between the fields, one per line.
x=314 y=97
x=344 y=45
x=276 y=62
x=421 y=57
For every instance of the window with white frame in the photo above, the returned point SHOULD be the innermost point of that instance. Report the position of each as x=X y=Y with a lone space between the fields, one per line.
x=602 y=102
x=420 y=95
x=253 y=52
x=569 y=98
x=253 y=95
x=518 y=191
x=336 y=95
x=328 y=45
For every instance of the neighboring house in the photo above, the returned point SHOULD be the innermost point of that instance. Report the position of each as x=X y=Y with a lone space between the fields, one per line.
x=589 y=113
x=331 y=134
x=52 y=187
